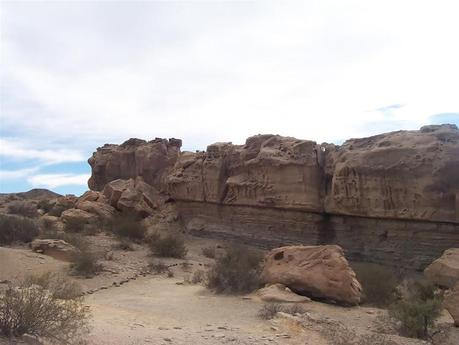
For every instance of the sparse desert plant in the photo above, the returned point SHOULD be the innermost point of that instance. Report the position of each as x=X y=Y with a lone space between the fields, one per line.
x=209 y=252
x=417 y=311
x=47 y=225
x=23 y=208
x=158 y=267
x=379 y=284
x=198 y=276
x=16 y=228
x=34 y=310
x=45 y=205
x=238 y=271
x=124 y=244
x=128 y=225
x=86 y=264
x=269 y=310
x=75 y=225
x=169 y=245
x=59 y=285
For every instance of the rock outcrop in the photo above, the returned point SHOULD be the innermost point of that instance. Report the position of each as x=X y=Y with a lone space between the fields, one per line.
x=150 y=160
x=313 y=271
x=278 y=293
x=445 y=270
x=390 y=198
x=57 y=249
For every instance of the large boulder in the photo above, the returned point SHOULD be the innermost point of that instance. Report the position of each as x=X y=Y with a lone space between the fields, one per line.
x=451 y=304
x=57 y=249
x=103 y=211
x=314 y=271
x=445 y=270
x=133 y=196
x=74 y=215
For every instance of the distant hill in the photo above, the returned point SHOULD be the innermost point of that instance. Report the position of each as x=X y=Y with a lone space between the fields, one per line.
x=34 y=194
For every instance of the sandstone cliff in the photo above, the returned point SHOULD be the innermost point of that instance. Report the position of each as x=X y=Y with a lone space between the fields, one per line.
x=393 y=197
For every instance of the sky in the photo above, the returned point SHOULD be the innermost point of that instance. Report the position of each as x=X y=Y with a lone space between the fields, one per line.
x=76 y=75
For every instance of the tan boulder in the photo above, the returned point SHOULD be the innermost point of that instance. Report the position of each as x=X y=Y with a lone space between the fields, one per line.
x=278 y=293
x=91 y=195
x=314 y=271
x=451 y=304
x=77 y=214
x=133 y=195
x=103 y=211
x=445 y=270
x=57 y=249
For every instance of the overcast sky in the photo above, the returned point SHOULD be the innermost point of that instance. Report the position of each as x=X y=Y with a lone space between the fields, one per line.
x=76 y=75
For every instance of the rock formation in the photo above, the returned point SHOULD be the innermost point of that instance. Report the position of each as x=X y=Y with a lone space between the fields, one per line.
x=391 y=198
x=57 y=249
x=445 y=270
x=452 y=304
x=314 y=271
x=133 y=158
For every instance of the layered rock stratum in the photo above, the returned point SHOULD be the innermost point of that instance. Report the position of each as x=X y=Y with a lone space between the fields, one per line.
x=390 y=198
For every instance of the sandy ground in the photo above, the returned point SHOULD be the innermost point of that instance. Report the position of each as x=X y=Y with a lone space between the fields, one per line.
x=132 y=306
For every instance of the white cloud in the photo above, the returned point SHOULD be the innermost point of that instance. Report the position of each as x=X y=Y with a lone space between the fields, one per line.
x=58 y=180
x=16 y=174
x=16 y=150
x=87 y=73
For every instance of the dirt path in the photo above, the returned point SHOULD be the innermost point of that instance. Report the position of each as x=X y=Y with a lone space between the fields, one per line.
x=158 y=311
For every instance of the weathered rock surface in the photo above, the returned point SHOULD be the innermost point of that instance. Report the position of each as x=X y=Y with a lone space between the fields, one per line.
x=445 y=270
x=390 y=198
x=279 y=293
x=102 y=210
x=151 y=160
x=451 y=304
x=133 y=195
x=75 y=214
x=57 y=249
x=315 y=271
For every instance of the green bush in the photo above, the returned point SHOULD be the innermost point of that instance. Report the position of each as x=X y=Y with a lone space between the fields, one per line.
x=417 y=311
x=16 y=228
x=238 y=271
x=128 y=226
x=378 y=282
x=23 y=208
x=32 y=309
x=170 y=245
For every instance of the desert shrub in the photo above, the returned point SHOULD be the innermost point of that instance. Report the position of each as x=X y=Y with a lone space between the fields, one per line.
x=417 y=311
x=75 y=224
x=378 y=282
x=209 y=252
x=60 y=286
x=48 y=225
x=36 y=311
x=269 y=310
x=85 y=263
x=170 y=245
x=128 y=225
x=124 y=244
x=15 y=228
x=238 y=271
x=23 y=208
x=45 y=205
x=158 y=267
x=198 y=277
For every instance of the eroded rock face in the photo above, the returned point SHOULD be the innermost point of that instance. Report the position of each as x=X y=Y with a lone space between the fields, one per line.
x=402 y=175
x=314 y=271
x=151 y=160
x=445 y=270
x=278 y=293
